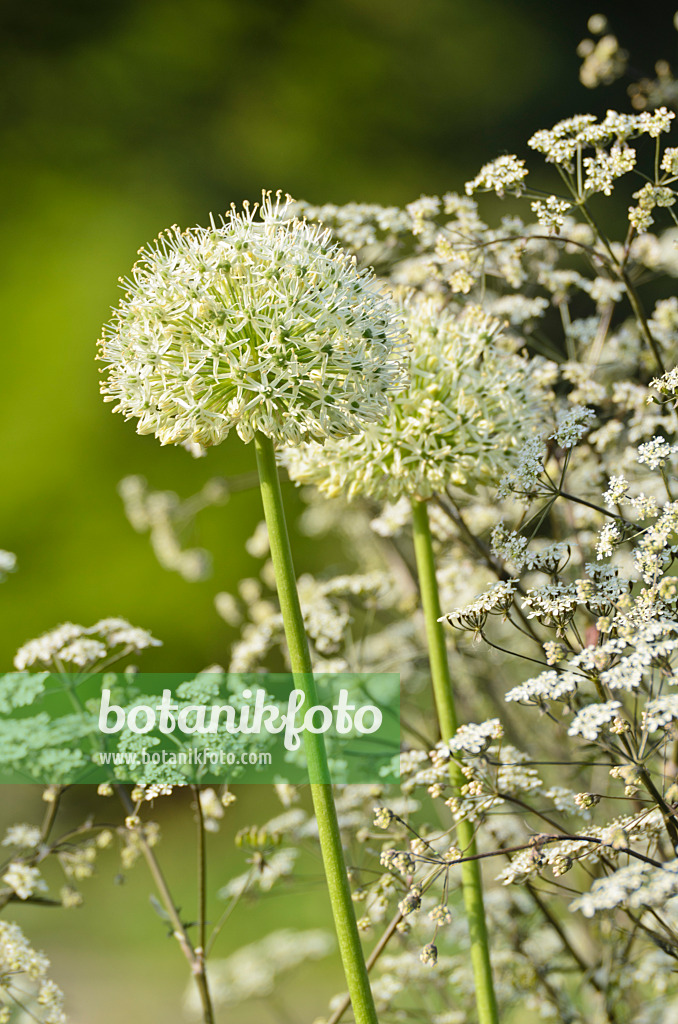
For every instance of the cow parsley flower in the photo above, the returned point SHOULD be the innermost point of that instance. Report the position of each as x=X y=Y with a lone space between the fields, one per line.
x=654 y=453
x=508 y=545
x=73 y=645
x=590 y=720
x=473 y=738
x=603 y=168
x=212 y=809
x=554 y=604
x=20 y=962
x=603 y=61
x=659 y=712
x=549 y=685
x=524 y=478
x=23 y=879
x=667 y=384
x=498 y=599
x=560 y=144
x=609 y=537
x=551 y=213
x=24 y=836
x=258 y=323
x=471 y=404
x=635 y=886
x=649 y=196
x=505 y=174
x=616 y=492
x=572 y=424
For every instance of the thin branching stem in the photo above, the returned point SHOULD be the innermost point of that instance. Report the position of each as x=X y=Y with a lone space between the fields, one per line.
x=179 y=931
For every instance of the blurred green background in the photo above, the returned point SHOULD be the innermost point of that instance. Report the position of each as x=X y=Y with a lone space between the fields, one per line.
x=117 y=119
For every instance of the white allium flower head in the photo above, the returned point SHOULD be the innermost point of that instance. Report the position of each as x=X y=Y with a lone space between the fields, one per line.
x=471 y=403
x=258 y=323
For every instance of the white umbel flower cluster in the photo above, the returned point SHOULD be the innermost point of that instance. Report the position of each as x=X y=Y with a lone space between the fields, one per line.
x=258 y=323
x=635 y=886
x=505 y=174
x=549 y=685
x=470 y=404
x=22 y=835
x=23 y=879
x=561 y=143
x=594 y=718
x=74 y=646
x=23 y=967
x=472 y=738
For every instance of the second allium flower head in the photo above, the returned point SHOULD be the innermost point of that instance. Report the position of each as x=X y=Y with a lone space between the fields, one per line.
x=259 y=323
x=471 y=403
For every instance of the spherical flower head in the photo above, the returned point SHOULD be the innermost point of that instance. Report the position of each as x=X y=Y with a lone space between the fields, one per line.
x=471 y=403
x=258 y=323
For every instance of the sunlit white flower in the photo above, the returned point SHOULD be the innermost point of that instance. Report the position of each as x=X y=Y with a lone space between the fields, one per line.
x=617 y=489
x=73 y=645
x=609 y=537
x=561 y=143
x=648 y=197
x=25 y=836
x=19 y=962
x=659 y=712
x=604 y=60
x=635 y=886
x=212 y=809
x=258 y=323
x=505 y=174
x=551 y=212
x=603 y=168
x=655 y=452
x=572 y=424
x=550 y=685
x=474 y=738
x=588 y=722
x=24 y=879
x=470 y=405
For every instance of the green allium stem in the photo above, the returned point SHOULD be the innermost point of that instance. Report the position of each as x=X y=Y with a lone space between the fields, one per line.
x=471 y=880
x=348 y=937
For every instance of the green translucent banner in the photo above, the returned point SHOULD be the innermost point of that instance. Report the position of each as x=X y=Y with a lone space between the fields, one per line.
x=62 y=729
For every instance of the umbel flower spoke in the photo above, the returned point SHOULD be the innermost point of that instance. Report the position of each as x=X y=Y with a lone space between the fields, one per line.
x=263 y=325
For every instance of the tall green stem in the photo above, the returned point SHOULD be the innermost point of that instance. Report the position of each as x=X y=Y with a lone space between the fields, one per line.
x=471 y=880
x=348 y=937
